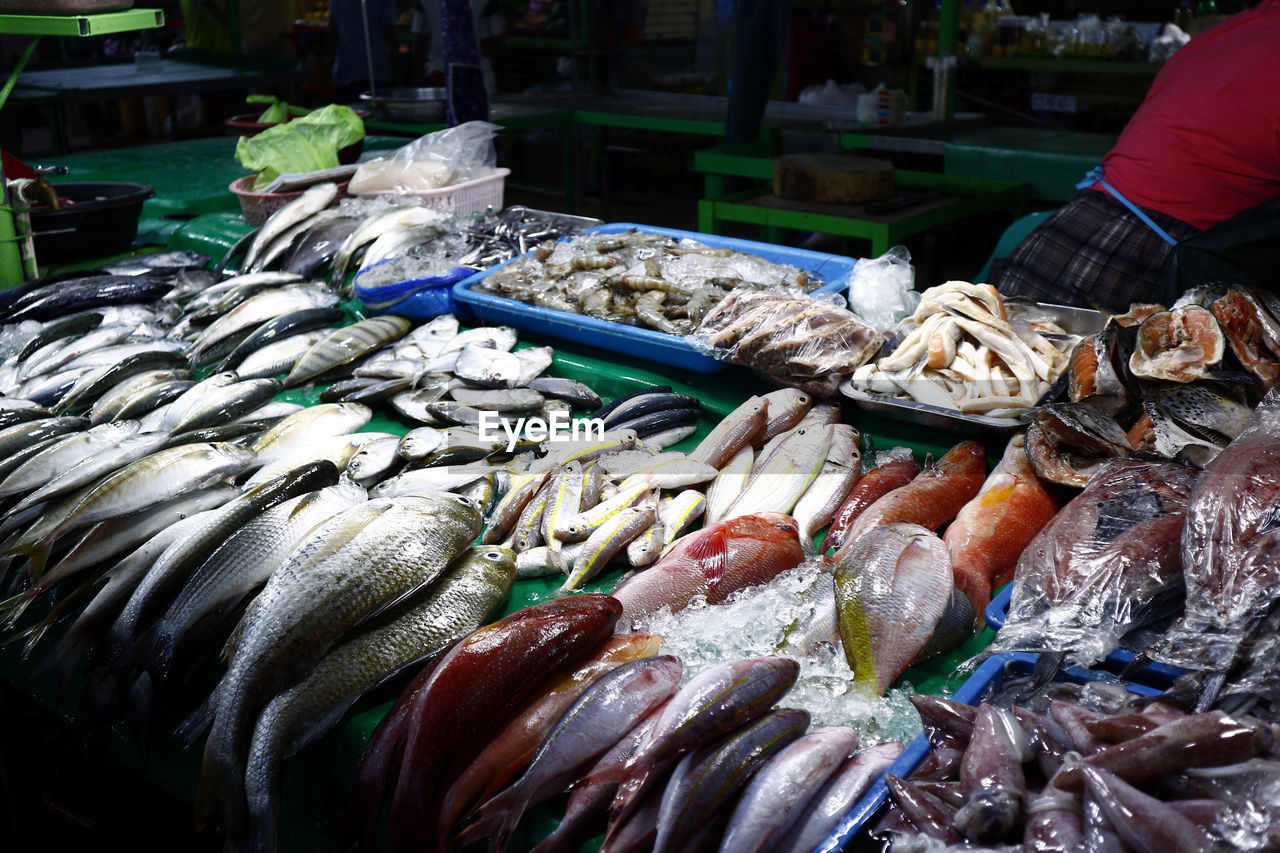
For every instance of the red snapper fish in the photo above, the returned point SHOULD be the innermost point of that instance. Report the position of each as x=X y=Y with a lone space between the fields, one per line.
x=745 y=551
x=992 y=530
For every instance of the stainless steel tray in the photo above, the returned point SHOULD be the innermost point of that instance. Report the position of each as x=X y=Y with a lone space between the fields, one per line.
x=1075 y=321
x=408 y=104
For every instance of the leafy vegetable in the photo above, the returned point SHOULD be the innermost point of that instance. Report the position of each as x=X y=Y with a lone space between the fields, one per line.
x=305 y=144
x=277 y=112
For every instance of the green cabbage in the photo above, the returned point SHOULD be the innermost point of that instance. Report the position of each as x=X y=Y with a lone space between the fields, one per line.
x=306 y=144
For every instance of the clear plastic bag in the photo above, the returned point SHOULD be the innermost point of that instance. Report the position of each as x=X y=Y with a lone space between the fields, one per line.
x=1231 y=548
x=1108 y=562
x=805 y=342
x=441 y=159
x=881 y=290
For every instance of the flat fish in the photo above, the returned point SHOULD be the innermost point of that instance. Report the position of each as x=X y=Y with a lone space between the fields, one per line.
x=893 y=587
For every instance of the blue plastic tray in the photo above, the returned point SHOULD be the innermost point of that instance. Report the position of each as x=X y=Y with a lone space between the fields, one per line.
x=434 y=297
x=986 y=680
x=998 y=611
x=641 y=343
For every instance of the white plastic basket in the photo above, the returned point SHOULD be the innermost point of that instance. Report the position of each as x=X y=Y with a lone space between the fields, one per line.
x=467 y=197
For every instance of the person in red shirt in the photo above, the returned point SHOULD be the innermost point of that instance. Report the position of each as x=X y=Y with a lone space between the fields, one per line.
x=1203 y=147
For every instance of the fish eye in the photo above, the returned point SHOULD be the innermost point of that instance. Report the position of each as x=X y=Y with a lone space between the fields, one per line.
x=788 y=528
x=492 y=555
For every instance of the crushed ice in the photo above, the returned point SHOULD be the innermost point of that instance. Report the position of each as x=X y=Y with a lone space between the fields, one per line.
x=751 y=624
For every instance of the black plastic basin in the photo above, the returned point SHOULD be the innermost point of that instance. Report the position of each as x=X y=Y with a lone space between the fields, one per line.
x=100 y=219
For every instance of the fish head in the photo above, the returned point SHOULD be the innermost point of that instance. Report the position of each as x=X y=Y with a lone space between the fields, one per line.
x=966 y=459
x=240 y=456
x=764 y=525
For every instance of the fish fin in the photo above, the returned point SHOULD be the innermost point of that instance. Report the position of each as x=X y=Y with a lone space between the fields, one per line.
x=238 y=247
x=378 y=771
x=497 y=818
x=139 y=702
x=711 y=552
x=12 y=608
x=201 y=718
x=1209 y=690
x=1047 y=665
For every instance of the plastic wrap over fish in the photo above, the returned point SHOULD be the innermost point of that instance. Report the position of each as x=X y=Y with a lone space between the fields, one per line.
x=1109 y=562
x=808 y=343
x=1231 y=548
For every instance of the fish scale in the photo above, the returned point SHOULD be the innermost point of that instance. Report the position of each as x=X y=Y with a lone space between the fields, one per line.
x=455 y=605
x=324 y=587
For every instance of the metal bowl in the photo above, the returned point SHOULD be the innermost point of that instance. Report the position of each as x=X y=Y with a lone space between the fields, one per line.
x=408 y=104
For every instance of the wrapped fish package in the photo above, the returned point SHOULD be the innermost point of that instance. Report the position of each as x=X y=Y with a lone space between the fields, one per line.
x=1230 y=549
x=440 y=159
x=809 y=343
x=1109 y=562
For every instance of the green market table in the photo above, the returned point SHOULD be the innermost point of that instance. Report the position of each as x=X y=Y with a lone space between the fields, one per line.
x=945 y=199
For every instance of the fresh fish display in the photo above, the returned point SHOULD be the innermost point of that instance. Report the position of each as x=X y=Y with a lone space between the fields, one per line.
x=1181 y=345
x=715 y=561
x=992 y=530
x=453 y=606
x=1145 y=790
x=967 y=351
x=1109 y=562
x=778 y=794
x=1068 y=443
x=932 y=498
x=523 y=738
x=324 y=587
x=1227 y=548
x=894 y=590
x=893 y=470
x=468 y=698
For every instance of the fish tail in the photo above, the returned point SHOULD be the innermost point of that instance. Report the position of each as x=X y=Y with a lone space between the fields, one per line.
x=34 y=635
x=497 y=818
x=206 y=792
x=201 y=718
x=263 y=831
x=11 y=609
x=138 y=705
x=379 y=770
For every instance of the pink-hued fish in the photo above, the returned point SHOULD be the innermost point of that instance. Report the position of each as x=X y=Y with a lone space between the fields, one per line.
x=992 y=530
x=715 y=561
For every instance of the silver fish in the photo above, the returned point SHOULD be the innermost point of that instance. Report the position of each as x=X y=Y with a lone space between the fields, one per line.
x=337 y=449
x=375 y=461
x=244 y=562
x=777 y=795
x=456 y=604
x=64 y=454
x=344 y=345
x=125 y=575
x=257 y=310
x=297 y=430
x=302 y=208
x=323 y=588
x=278 y=358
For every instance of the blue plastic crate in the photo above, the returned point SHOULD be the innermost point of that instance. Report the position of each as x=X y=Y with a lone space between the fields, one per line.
x=998 y=611
x=645 y=344
x=985 y=680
